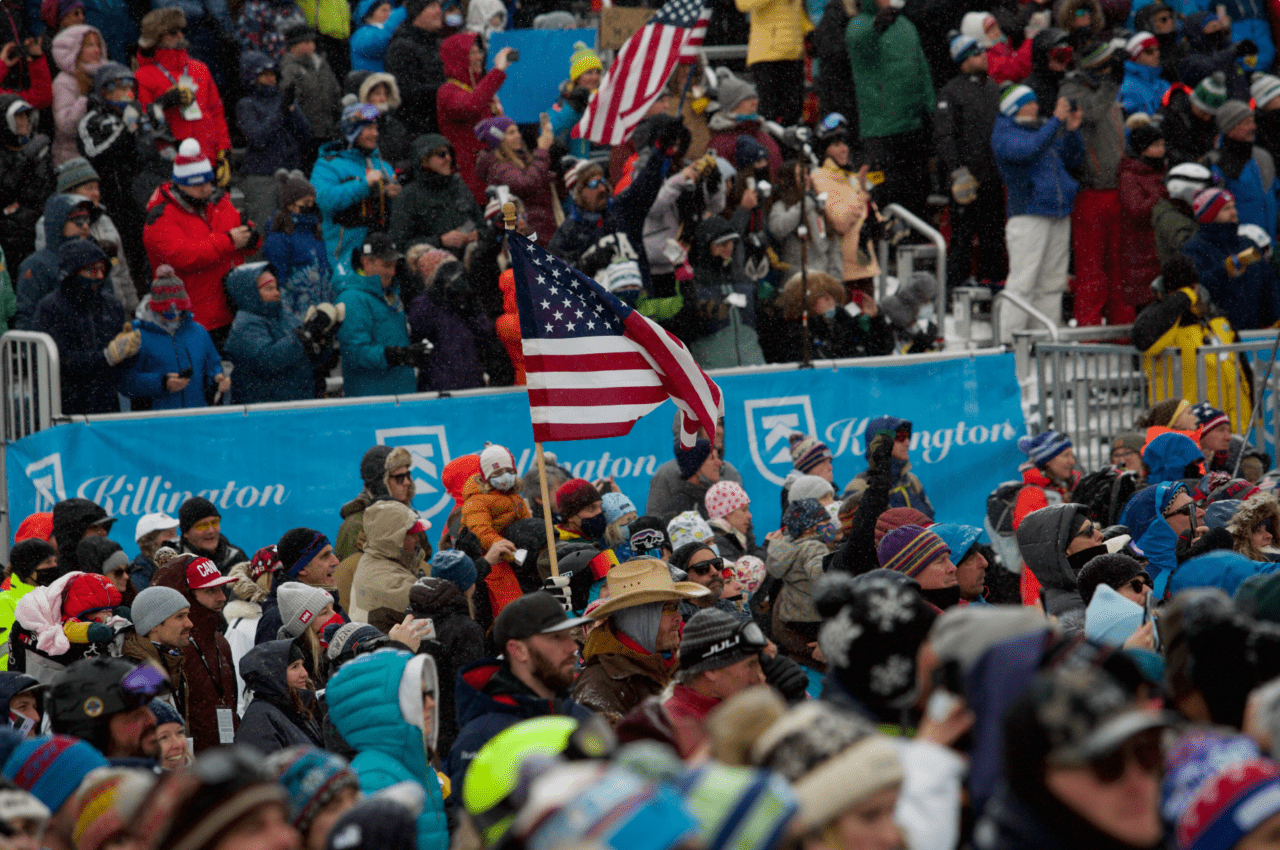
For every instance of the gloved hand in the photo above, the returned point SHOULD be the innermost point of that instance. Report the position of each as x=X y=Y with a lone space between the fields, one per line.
x=558 y=586
x=1246 y=47
x=785 y=675
x=880 y=454
x=98 y=633
x=924 y=340
x=964 y=186
x=1237 y=263
x=322 y=320
x=125 y=345
x=884 y=19
x=176 y=98
x=310 y=344
x=420 y=353
x=397 y=355
x=578 y=98
x=222 y=171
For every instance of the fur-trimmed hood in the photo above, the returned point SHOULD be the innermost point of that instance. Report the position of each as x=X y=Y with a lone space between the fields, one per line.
x=1257 y=509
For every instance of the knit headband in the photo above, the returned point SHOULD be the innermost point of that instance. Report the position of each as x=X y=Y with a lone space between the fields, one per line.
x=308 y=554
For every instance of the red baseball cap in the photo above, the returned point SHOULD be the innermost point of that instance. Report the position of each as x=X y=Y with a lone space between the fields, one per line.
x=203 y=574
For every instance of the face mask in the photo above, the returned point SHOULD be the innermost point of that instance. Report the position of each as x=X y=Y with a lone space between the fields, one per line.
x=594 y=526
x=625 y=531
x=453 y=19
x=504 y=481
x=926 y=313
x=827 y=532
x=747 y=117
x=829 y=313
x=630 y=297
x=1084 y=556
x=897 y=4
x=121 y=105
x=88 y=283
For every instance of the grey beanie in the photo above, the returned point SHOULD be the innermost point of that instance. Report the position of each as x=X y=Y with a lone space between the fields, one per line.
x=299 y=605
x=1232 y=113
x=710 y=628
x=350 y=634
x=809 y=487
x=732 y=90
x=154 y=605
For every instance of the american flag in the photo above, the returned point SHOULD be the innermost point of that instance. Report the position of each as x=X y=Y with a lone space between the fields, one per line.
x=594 y=365
x=640 y=70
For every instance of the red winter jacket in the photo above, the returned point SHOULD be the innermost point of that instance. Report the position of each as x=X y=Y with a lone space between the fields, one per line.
x=462 y=103
x=40 y=94
x=1141 y=186
x=211 y=130
x=199 y=248
x=1006 y=65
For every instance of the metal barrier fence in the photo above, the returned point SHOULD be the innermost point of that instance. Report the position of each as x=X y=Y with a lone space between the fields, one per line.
x=30 y=383
x=1091 y=384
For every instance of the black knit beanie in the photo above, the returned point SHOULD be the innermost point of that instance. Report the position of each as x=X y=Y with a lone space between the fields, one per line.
x=1111 y=570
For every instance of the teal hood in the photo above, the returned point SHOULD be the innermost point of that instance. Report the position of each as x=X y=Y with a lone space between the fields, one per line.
x=242 y=286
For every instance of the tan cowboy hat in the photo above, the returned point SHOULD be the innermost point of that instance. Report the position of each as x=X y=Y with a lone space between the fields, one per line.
x=643 y=580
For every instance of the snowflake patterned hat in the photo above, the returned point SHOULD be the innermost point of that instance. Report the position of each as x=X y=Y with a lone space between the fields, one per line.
x=1083 y=714
x=874 y=626
x=833 y=759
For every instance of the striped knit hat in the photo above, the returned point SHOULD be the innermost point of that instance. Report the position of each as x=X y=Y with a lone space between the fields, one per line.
x=312 y=777
x=1209 y=203
x=168 y=291
x=1014 y=98
x=191 y=167
x=1044 y=447
x=909 y=549
x=1140 y=42
x=807 y=452
x=1264 y=89
x=1210 y=93
x=1209 y=416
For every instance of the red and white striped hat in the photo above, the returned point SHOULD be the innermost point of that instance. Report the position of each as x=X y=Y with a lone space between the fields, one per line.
x=191 y=167
x=1140 y=42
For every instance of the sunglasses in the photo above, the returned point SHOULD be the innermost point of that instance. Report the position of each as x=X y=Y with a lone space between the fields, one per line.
x=1139 y=582
x=1082 y=12
x=903 y=436
x=1142 y=749
x=1181 y=509
x=707 y=566
x=401 y=477
x=747 y=635
x=207 y=524
x=143 y=684
x=443 y=153
x=1086 y=531
x=595 y=183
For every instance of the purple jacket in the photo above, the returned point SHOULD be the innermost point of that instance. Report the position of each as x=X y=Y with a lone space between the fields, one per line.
x=459 y=340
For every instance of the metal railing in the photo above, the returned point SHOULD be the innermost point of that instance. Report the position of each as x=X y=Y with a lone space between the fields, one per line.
x=1226 y=388
x=30 y=383
x=907 y=254
x=997 y=307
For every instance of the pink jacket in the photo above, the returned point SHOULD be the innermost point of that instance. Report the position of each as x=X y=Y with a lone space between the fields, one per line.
x=40 y=612
x=68 y=103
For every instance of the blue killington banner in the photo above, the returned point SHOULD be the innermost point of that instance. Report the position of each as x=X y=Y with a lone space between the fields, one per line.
x=271 y=470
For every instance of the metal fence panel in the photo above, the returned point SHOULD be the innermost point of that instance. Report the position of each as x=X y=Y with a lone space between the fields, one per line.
x=30 y=383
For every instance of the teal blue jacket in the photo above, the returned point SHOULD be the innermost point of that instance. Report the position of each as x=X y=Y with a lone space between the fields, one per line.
x=364 y=705
x=372 y=324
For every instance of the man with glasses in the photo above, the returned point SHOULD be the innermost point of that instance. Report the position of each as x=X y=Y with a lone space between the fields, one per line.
x=706 y=568
x=1158 y=19
x=1056 y=541
x=906 y=491
x=436 y=207
x=1082 y=763
x=200 y=525
x=66 y=216
x=537 y=646
x=1143 y=88
x=719 y=657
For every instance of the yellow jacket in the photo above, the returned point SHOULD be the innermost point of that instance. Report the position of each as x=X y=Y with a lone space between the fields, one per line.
x=778 y=28
x=1237 y=405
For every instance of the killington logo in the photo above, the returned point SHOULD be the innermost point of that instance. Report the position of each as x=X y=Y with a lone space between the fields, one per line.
x=429 y=447
x=770 y=421
x=45 y=475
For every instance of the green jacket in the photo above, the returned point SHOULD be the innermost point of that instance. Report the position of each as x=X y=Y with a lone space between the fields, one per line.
x=891 y=77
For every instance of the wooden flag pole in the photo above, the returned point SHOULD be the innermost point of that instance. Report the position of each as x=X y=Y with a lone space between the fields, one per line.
x=509 y=219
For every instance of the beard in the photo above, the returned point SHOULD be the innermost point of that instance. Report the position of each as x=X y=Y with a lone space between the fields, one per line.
x=558 y=679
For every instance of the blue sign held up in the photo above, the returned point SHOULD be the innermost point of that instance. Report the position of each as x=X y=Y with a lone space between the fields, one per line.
x=544 y=65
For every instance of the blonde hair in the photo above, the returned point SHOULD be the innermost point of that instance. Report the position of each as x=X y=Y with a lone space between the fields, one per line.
x=820 y=284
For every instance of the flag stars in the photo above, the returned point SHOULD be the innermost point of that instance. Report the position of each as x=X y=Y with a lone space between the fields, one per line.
x=553 y=290
x=546 y=305
x=558 y=315
x=591 y=326
x=569 y=325
x=578 y=313
x=542 y=279
x=550 y=328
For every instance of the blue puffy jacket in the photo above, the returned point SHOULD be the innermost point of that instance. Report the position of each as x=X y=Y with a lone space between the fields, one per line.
x=372 y=324
x=1220 y=568
x=369 y=42
x=364 y=705
x=162 y=353
x=1033 y=162
x=1250 y=300
x=1155 y=538
x=485 y=707
x=1143 y=89
x=271 y=364
x=1256 y=194
x=341 y=195
x=1168 y=456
